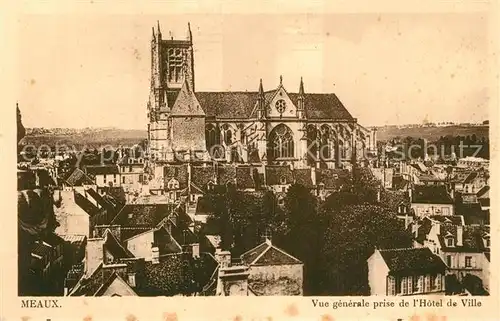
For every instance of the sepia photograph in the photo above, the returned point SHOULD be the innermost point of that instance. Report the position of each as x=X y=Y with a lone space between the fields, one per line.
x=332 y=154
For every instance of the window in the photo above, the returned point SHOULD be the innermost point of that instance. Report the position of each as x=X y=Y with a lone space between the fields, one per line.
x=410 y=284
x=449 y=260
x=468 y=261
x=281 y=142
x=391 y=285
x=283 y=180
x=104 y=179
x=487 y=242
x=114 y=178
x=446 y=211
x=432 y=281
x=427 y=283
x=450 y=242
x=123 y=179
x=438 y=282
x=404 y=285
x=175 y=63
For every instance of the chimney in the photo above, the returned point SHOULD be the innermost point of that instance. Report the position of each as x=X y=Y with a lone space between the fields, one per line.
x=155 y=254
x=378 y=196
x=410 y=193
x=196 y=250
x=460 y=235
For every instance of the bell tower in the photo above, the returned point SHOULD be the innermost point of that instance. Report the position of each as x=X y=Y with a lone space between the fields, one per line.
x=172 y=66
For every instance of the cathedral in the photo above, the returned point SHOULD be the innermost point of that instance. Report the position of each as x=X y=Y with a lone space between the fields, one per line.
x=267 y=126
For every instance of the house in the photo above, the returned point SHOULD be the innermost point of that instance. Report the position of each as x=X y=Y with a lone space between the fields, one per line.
x=272 y=271
x=473 y=162
x=104 y=175
x=406 y=271
x=426 y=230
x=131 y=171
x=384 y=175
x=431 y=200
x=278 y=178
x=465 y=249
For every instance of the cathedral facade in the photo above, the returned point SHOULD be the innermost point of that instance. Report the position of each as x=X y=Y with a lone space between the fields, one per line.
x=269 y=126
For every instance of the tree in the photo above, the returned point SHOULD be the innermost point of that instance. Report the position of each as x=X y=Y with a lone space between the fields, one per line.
x=351 y=235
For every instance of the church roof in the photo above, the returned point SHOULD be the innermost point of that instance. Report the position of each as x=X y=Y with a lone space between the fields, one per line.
x=228 y=105
x=186 y=103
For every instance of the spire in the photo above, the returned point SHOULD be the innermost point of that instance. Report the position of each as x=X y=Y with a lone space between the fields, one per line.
x=158 y=29
x=189 y=34
x=281 y=80
x=153 y=29
x=301 y=87
x=261 y=89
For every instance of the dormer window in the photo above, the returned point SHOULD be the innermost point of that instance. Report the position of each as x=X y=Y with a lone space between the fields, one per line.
x=210 y=186
x=283 y=180
x=450 y=242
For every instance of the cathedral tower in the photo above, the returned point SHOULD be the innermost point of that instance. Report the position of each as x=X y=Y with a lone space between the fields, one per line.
x=172 y=68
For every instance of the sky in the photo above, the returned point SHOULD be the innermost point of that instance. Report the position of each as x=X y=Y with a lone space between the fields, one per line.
x=391 y=68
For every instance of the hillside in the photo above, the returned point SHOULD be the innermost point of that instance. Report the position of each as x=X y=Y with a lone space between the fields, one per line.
x=96 y=137
x=90 y=138
x=431 y=133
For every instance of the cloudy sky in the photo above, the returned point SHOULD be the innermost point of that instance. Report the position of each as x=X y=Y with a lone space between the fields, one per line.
x=393 y=68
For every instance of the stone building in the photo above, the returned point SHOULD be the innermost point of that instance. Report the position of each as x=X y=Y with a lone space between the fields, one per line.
x=273 y=126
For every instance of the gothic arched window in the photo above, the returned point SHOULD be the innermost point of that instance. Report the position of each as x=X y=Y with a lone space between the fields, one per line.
x=228 y=134
x=212 y=136
x=281 y=142
x=312 y=144
x=325 y=143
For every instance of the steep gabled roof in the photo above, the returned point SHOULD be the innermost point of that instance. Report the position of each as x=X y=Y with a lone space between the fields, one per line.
x=179 y=172
x=186 y=103
x=114 y=277
x=78 y=178
x=472 y=238
x=268 y=254
x=224 y=105
x=431 y=195
x=410 y=260
x=101 y=169
x=115 y=247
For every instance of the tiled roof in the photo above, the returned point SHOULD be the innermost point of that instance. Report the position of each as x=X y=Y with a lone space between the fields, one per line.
x=114 y=194
x=451 y=219
x=89 y=286
x=115 y=247
x=186 y=103
x=114 y=276
x=470 y=177
x=332 y=178
x=204 y=206
x=278 y=175
x=200 y=176
x=431 y=195
x=85 y=204
x=268 y=254
x=252 y=254
x=78 y=178
x=472 y=238
x=242 y=104
x=105 y=203
x=483 y=192
x=244 y=177
x=179 y=172
x=302 y=176
x=101 y=169
x=41 y=249
x=409 y=260
x=226 y=174
x=142 y=215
